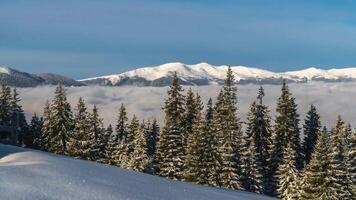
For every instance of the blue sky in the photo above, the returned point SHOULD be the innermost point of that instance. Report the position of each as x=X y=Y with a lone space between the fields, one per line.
x=83 y=38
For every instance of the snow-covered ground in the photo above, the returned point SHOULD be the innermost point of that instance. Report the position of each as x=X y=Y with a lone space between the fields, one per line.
x=34 y=175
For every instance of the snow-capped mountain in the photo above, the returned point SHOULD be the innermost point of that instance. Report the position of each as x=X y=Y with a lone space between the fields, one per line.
x=205 y=74
x=22 y=79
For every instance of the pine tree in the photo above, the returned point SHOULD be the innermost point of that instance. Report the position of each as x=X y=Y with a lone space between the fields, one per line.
x=251 y=168
x=79 y=146
x=318 y=181
x=287 y=175
x=139 y=159
x=36 y=130
x=351 y=154
x=62 y=122
x=193 y=153
x=311 y=130
x=340 y=160
x=18 y=120
x=47 y=128
x=121 y=123
x=170 y=147
x=5 y=105
x=229 y=132
x=286 y=131
x=97 y=136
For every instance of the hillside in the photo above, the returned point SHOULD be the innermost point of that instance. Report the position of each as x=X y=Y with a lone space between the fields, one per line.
x=30 y=174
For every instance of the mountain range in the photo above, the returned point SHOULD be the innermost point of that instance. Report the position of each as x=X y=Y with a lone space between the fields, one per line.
x=198 y=74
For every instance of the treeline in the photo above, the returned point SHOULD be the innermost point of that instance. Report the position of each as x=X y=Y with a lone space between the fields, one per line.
x=209 y=146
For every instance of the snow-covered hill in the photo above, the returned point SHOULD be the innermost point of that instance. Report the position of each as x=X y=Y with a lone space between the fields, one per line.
x=22 y=79
x=35 y=175
x=206 y=74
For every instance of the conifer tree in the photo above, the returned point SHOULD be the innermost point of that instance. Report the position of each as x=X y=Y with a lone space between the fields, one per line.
x=258 y=132
x=287 y=175
x=340 y=160
x=229 y=133
x=170 y=147
x=193 y=152
x=80 y=146
x=115 y=144
x=36 y=130
x=18 y=120
x=47 y=128
x=351 y=140
x=5 y=105
x=311 y=130
x=139 y=159
x=152 y=138
x=318 y=181
x=286 y=130
x=207 y=147
x=62 y=122
x=97 y=136
x=251 y=168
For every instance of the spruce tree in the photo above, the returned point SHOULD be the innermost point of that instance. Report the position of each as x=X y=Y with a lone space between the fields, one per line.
x=62 y=122
x=311 y=130
x=251 y=168
x=47 y=128
x=139 y=159
x=79 y=146
x=18 y=120
x=97 y=136
x=258 y=135
x=228 y=128
x=318 y=179
x=351 y=154
x=170 y=147
x=121 y=123
x=207 y=147
x=152 y=138
x=193 y=153
x=286 y=130
x=340 y=160
x=287 y=175
x=5 y=105
x=36 y=130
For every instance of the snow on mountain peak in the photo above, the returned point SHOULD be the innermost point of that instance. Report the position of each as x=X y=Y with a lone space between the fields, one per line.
x=4 y=70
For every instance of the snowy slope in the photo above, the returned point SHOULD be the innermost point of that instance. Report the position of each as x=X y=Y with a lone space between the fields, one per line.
x=28 y=174
x=206 y=74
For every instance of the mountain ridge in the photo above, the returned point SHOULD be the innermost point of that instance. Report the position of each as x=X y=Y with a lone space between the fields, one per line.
x=206 y=74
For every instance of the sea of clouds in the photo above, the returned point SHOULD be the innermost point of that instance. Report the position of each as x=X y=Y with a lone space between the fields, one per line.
x=331 y=99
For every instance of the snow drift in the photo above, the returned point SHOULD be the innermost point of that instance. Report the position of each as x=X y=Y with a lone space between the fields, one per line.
x=31 y=174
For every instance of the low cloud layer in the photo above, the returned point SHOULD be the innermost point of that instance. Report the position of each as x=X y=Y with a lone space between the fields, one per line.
x=331 y=99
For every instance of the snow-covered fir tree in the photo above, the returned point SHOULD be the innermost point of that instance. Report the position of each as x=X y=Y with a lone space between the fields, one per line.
x=193 y=150
x=340 y=160
x=351 y=140
x=113 y=146
x=97 y=136
x=79 y=146
x=152 y=138
x=170 y=147
x=287 y=175
x=35 y=129
x=286 y=130
x=228 y=128
x=5 y=104
x=139 y=159
x=62 y=122
x=311 y=130
x=318 y=180
x=259 y=133
x=209 y=160
x=251 y=168
x=18 y=120
x=47 y=130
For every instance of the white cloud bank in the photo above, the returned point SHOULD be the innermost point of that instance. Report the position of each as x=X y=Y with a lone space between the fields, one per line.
x=331 y=99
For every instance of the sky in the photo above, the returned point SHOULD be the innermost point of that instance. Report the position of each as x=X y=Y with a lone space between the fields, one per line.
x=86 y=38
